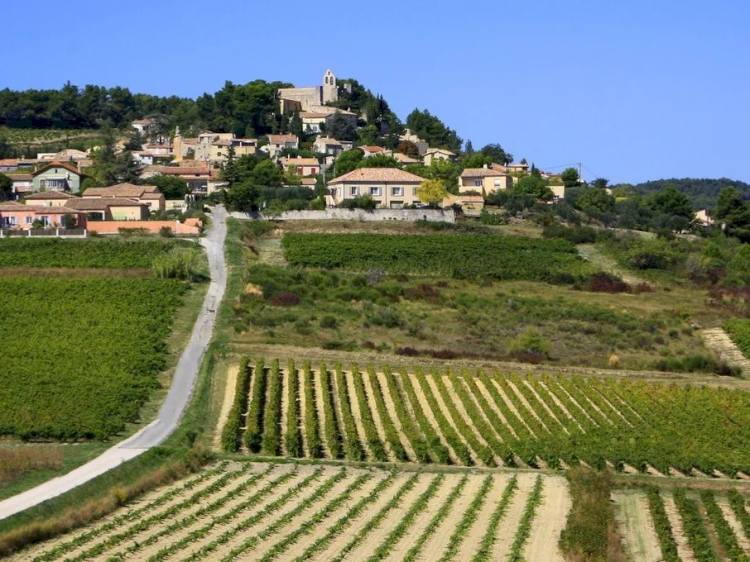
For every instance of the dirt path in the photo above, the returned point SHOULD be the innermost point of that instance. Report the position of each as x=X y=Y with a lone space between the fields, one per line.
x=303 y=406
x=356 y=413
x=285 y=378
x=440 y=399
x=506 y=531
x=592 y=254
x=320 y=410
x=345 y=437
x=473 y=538
x=226 y=405
x=360 y=521
x=436 y=544
x=720 y=342
x=369 y=393
x=549 y=522
x=375 y=537
x=636 y=526
x=488 y=398
x=391 y=408
x=742 y=539
x=683 y=548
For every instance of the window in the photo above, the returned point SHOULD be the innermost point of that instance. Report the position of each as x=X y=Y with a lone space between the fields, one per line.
x=497 y=182
x=397 y=191
x=375 y=191
x=414 y=191
x=478 y=183
x=353 y=191
x=28 y=220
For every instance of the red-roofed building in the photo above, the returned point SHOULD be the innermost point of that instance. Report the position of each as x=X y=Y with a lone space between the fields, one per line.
x=389 y=187
x=58 y=176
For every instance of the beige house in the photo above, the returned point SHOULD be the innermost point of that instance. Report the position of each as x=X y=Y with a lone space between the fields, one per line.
x=303 y=167
x=328 y=146
x=109 y=208
x=435 y=154
x=242 y=147
x=518 y=168
x=49 y=199
x=389 y=187
x=148 y=195
x=483 y=180
x=558 y=193
x=405 y=160
x=277 y=143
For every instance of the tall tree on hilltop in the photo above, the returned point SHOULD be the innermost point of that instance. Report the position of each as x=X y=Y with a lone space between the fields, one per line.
x=433 y=131
x=497 y=153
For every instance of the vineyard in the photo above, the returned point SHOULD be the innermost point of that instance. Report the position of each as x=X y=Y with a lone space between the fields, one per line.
x=104 y=253
x=739 y=332
x=461 y=256
x=81 y=356
x=288 y=512
x=684 y=524
x=487 y=419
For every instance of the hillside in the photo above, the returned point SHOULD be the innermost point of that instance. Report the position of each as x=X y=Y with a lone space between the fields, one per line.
x=702 y=193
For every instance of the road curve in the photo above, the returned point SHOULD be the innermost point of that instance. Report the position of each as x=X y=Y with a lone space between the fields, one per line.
x=177 y=398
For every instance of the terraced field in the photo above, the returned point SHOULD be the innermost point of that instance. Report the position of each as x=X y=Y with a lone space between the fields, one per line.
x=487 y=419
x=260 y=511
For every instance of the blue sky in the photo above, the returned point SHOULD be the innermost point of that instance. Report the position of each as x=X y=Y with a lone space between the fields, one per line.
x=633 y=90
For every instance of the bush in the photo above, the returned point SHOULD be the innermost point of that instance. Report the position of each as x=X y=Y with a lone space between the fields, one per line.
x=576 y=235
x=166 y=232
x=359 y=202
x=531 y=341
x=328 y=322
x=602 y=282
x=286 y=298
x=178 y=264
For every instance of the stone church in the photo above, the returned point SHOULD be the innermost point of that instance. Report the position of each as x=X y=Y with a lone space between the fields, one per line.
x=307 y=99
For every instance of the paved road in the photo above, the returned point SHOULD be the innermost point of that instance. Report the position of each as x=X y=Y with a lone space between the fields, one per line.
x=177 y=398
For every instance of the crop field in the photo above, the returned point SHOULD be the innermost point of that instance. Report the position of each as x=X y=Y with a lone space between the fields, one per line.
x=487 y=419
x=462 y=256
x=104 y=253
x=739 y=332
x=81 y=356
x=258 y=511
x=684 y=524
x=36 y=136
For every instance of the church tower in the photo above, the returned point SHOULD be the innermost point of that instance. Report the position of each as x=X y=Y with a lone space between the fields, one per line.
x=330 y=87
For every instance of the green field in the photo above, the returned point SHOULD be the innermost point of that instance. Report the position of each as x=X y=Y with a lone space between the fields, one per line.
x=81 y=356
x=96 y=253
x=461 y=256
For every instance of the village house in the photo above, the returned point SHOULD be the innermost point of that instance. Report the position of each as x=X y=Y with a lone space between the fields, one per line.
x=303 y=167
x=389 y=187
x=109 y=208
x=148 y=195
x=405 y=160
x=66 y=155
x=483 y=180
x=20 y=165
x=19 y=216
x=48 y=198
x=558 y=193
x=22 y=183
x=435 y=154
x=520 y=168
x=277 y=143
x=372 y=150
x=242 y=147
x=57 y=176
x=327 y=146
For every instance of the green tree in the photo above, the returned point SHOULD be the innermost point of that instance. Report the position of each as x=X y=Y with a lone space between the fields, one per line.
x=295 y=125
x=230 y=171
x=600 y=183
x=6 y=187
x=595 y=201
x=172 y=187
x=69 y=221
x=408 y=148
x=497 y=154
x=135 y=141
x=379 y=161
x=369 y=135
x=570 y=177
x=671 y=202
x=267 y=174
x=340 y=127
x=428 y=127
x=476 y=160
x=533 y=186
x=348 y=161
x=469 y=148
x=734 y=212
x=244 y=196
x=431 y=192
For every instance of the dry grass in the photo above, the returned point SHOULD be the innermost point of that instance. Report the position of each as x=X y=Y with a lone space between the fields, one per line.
x=17 y=460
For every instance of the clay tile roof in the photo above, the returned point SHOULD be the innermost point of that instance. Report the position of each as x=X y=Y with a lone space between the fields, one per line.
x=312 y=115
x=372 y=148
x=481 y=173
x=120 y=190
x=13 y=206
x=404 y=159
x=222 y=142
x=378 y=175
x=100 y=204
x=9 y=162
x=282 y=139
x=301 y=162
x=19 y=177
x=439 y=151
x=327 y=141
x=58 y=165
x=50 y=195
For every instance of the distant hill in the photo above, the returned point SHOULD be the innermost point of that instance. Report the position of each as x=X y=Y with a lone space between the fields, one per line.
x=701 y=192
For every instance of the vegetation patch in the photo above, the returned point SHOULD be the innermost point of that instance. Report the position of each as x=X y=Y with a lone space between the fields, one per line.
x=81 y=356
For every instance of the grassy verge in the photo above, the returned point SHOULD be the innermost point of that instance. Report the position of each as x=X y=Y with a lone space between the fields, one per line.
x=590 y=532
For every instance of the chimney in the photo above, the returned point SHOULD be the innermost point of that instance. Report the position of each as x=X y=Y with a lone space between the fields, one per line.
x=484 y=166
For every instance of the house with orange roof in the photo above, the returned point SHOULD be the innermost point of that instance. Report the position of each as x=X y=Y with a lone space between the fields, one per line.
x=277 y=143
x=148 y=195
x=48 y=198
x=484 y=180
x=57 y=176
x=389 y=187
x=435 y=154
x=372 y=150
x=303 y=167
x=16 y=215
x=109 y=208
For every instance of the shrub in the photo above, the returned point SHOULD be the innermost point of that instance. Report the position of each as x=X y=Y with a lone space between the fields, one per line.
x=166 y=232
x=285 y=298
x=602 y=282
x=328 y=322
x=531 y=341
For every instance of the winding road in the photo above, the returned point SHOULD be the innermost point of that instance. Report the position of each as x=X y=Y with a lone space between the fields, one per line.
x=177 y=398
